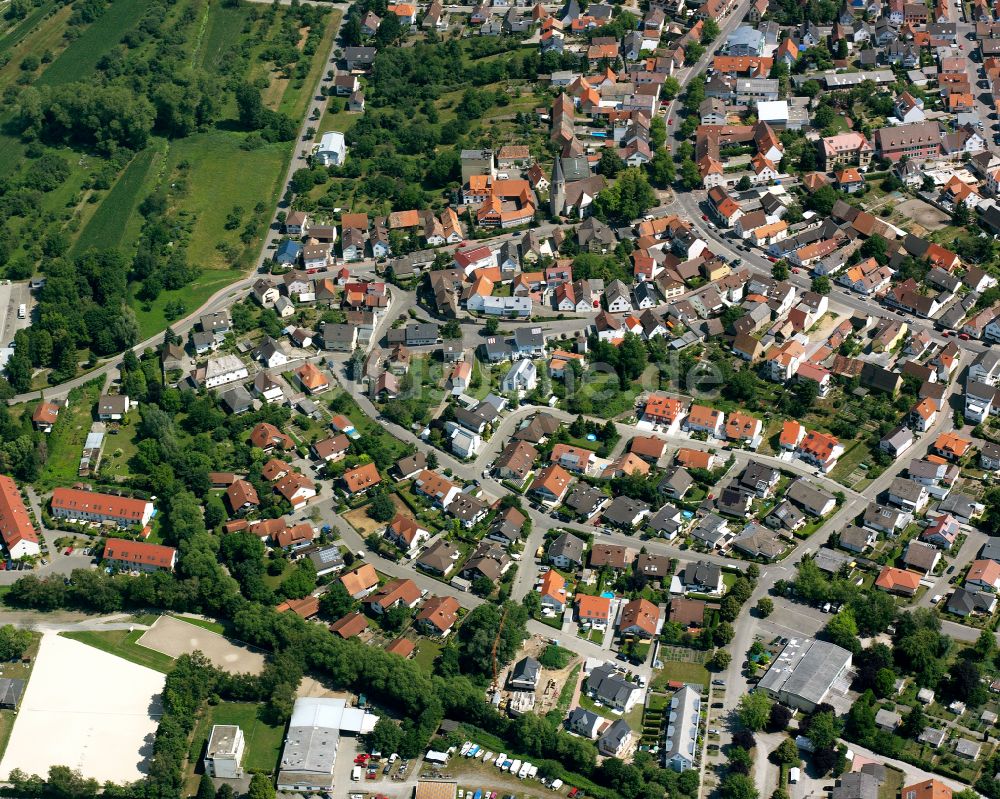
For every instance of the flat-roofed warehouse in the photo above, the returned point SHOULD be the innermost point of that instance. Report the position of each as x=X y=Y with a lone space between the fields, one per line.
x=805 y=673
x=314 y=731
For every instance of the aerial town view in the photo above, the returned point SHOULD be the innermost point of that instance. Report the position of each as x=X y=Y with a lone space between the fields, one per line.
x=522 y=400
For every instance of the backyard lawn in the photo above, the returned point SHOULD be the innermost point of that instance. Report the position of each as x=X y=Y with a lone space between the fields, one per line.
x=65 y=442
x=426 y=653
x=680 y=671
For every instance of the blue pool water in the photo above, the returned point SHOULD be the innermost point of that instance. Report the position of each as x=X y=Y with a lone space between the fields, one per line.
x=591 y=437
x=687 y=514
x=608 y=594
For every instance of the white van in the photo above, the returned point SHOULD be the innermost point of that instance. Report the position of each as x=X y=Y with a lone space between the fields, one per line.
x=356 y=774
x=22 y=311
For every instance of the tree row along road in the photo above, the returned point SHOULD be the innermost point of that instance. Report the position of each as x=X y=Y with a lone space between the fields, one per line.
x=231 y=294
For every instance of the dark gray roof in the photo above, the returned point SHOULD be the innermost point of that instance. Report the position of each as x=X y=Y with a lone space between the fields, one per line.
x=567 y=546
x=623 y=510
x=585 y=498
x=526 y=669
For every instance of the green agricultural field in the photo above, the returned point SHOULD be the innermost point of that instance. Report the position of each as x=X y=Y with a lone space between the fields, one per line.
x=117 y=219
x=34 y=35
x=99 y=39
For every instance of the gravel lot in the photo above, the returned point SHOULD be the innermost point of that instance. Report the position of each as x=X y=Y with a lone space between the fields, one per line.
x=175 y=638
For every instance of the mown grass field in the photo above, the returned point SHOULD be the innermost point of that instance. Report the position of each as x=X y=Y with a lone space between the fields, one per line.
x=16 y=31
x=123 y=644
x=97 y=40
x=222 y=175
x=153 y=318
x=263 y=741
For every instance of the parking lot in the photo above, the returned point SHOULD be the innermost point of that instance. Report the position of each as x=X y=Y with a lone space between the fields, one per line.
x=12 y=296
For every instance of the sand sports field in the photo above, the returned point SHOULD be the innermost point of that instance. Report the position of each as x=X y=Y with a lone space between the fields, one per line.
x=175 y=638
x=88 y=710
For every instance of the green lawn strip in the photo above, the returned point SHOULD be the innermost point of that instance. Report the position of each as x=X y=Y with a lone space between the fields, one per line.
x=566 y=694
x=263 y=741
x=206 y=624
x=152 y=318
x=123 y=644
x=119 y=208
x=225 y=26
x=100 y=38
x=33 y=35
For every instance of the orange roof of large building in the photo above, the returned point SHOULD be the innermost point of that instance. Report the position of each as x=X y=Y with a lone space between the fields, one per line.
x=266 y=435
x=404 y=219
x=741 y=426
x=92 y=502
x=647 y=446
x=703 y=416
x=593 y=608
x=404 y=528
x=302 y=531
x=893 y=579
x=311 y=377
x=307 y=607
x=15 y=524
x=694 y=458
x=663 y=407
x=987 y=571
x=401 y=590
x=362 y=477
x=554 y=479
x=791 y=433
x=275 y=469
x=433 y=484
x=241 y=493
x=401 y=646
x=360 y=579
x=742 y=63
x=821 y=445
x=350 y=626
x=45 y=413
x=139 y=553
